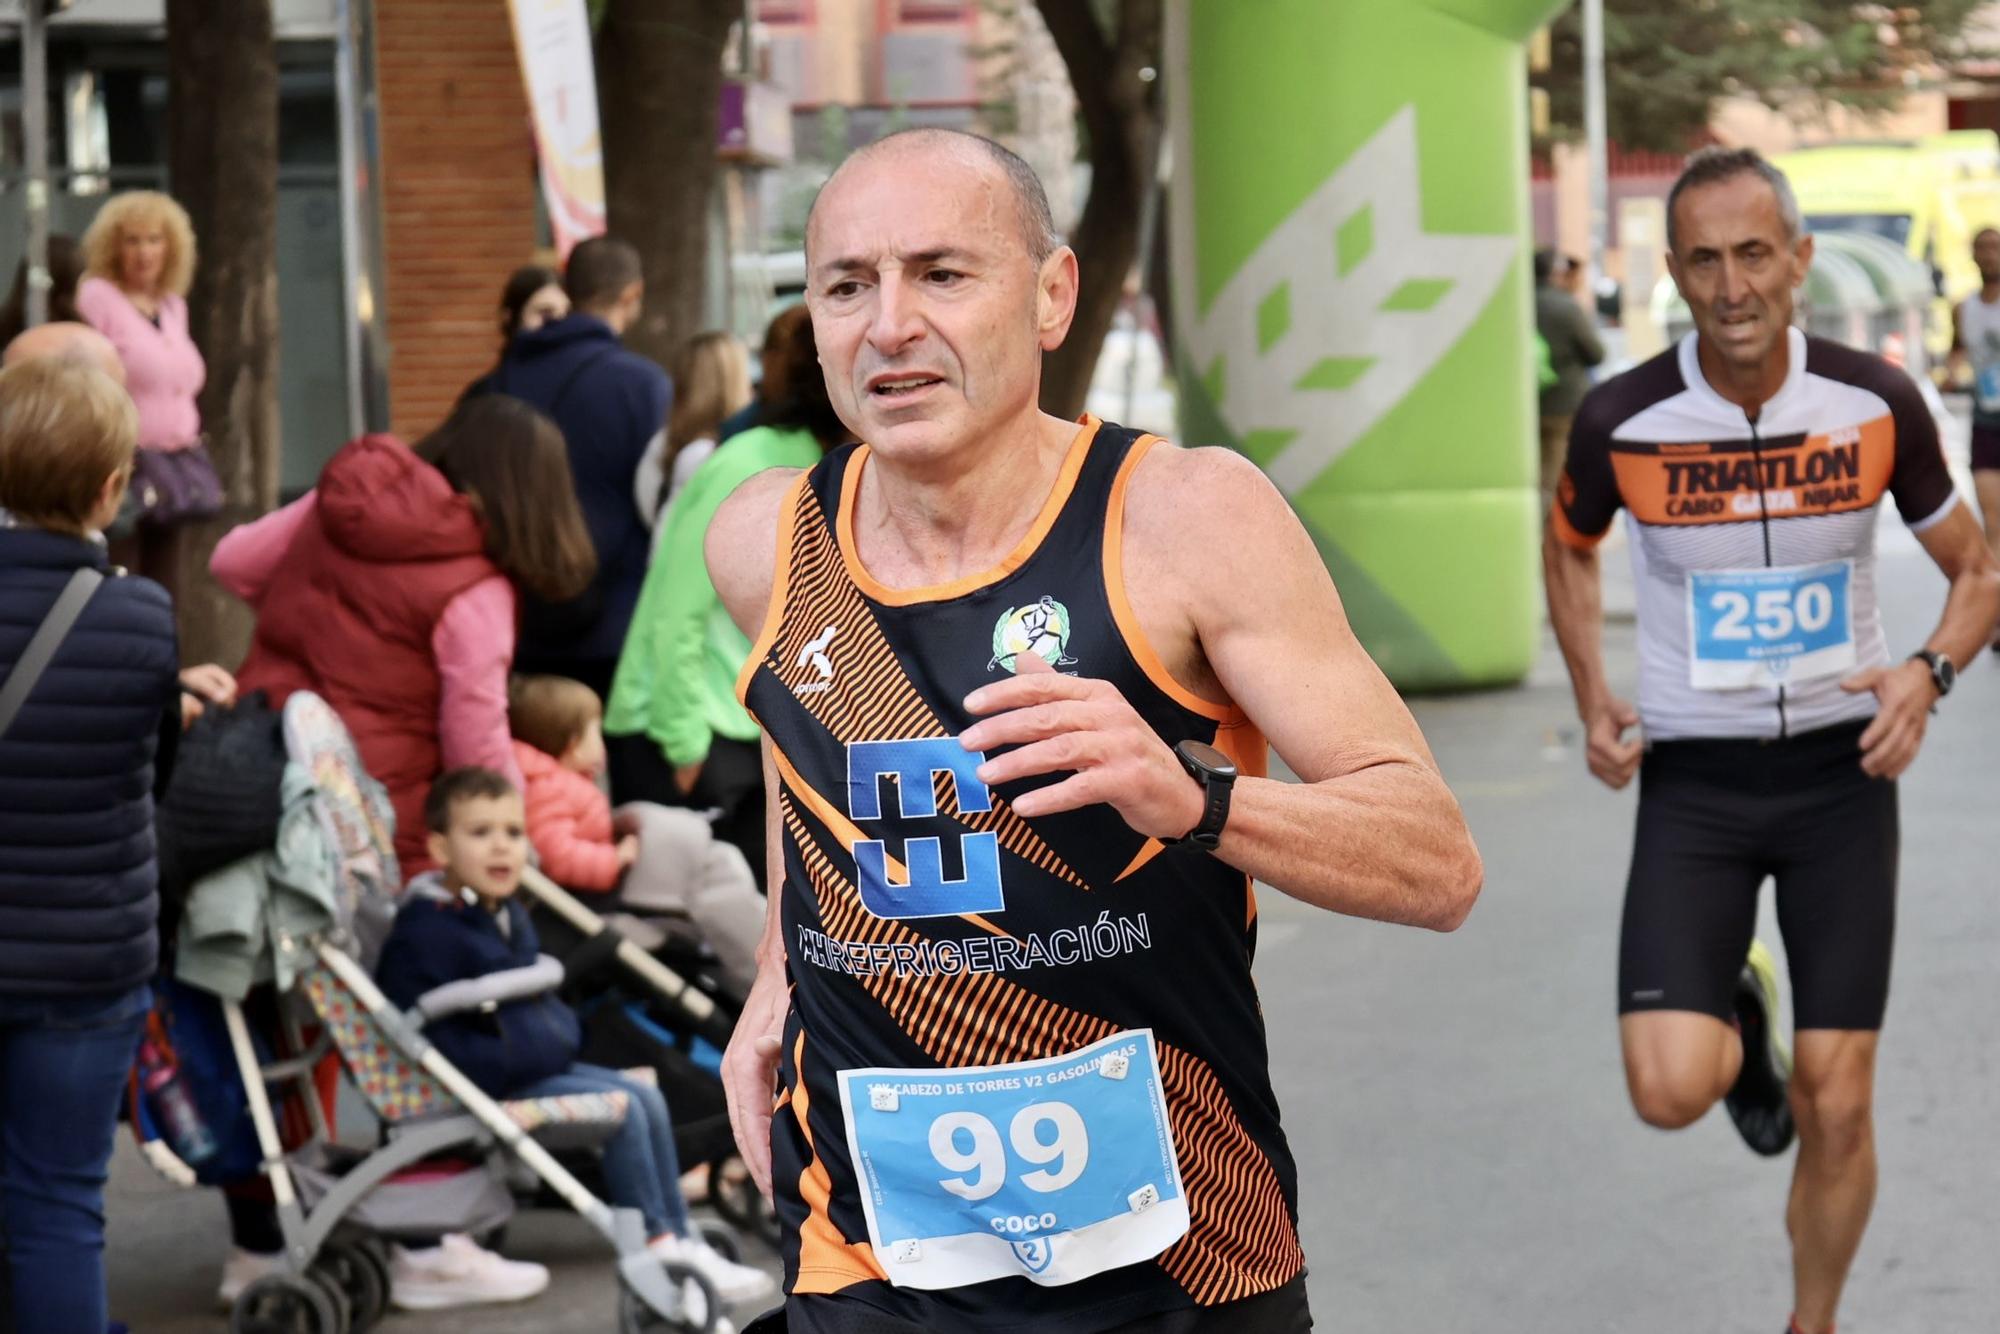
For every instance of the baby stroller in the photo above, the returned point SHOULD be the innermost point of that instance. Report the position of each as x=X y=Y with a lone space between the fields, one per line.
x=650 y=995
x=334 y=1204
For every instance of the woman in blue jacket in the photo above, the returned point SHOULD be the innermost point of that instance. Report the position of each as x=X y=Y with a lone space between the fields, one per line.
x=80 y=766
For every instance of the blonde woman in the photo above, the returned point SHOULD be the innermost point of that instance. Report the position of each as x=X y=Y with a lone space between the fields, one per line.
x=711 y=381
x=138 y=261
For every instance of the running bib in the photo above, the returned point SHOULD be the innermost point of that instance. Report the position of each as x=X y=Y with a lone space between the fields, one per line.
x=1771 y=627
x=1048 y=1170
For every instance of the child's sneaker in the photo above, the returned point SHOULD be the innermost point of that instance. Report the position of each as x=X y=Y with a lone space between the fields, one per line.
x=732 y=1282
x=459 y=1272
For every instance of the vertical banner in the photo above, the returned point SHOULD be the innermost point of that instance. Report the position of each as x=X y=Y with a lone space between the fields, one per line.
x=1352 y=300
x=552 y=38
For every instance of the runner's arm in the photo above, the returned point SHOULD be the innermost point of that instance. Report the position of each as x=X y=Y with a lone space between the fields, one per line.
x=1371 y=830
x=742 y=563
x=1972 y=607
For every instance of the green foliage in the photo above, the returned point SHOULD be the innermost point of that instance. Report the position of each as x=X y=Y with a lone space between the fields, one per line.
x=1667 y=64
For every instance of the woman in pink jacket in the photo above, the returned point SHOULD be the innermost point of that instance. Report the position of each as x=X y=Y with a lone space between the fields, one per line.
x=138 y=262
x=390 y=591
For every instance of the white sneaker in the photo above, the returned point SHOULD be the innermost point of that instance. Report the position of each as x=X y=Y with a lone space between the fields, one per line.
x=732 y=1282
x=695 y=1310
x=459 y=1272
x=243 y=1268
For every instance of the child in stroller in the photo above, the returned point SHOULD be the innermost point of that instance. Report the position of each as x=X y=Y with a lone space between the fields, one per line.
x=463 y=923
x=664 y=864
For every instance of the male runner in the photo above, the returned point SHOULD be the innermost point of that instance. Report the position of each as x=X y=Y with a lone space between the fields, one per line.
x=1022 y=1078
x=1975 y=345
x=1752 y=461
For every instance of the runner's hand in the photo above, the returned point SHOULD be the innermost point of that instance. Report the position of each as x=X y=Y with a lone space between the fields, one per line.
x=750 y=1067
x=1906 y=694
x=1085 y=728
x=1611 y=757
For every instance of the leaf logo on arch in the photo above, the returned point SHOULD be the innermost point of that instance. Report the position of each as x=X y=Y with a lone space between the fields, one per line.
x=1344 y=309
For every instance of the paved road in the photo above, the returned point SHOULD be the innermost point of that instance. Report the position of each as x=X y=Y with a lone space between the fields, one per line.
x=1467 y=1157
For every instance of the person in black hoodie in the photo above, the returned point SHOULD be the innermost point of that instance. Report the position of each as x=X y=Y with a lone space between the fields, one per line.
x=610 y=404
x=463 y=923
x=81 y=764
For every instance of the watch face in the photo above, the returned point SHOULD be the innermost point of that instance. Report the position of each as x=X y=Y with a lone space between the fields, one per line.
x=1946 y=674
x=1207 y=757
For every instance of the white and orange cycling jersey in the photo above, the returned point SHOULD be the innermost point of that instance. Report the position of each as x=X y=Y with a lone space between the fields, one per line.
x=1753 y=541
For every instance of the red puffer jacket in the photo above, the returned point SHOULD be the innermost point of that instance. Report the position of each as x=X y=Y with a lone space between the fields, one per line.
x=569 y=822
x=350 y=611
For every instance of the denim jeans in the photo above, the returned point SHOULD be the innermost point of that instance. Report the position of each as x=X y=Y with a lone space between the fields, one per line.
x=63 y=1063
x=641 y=1170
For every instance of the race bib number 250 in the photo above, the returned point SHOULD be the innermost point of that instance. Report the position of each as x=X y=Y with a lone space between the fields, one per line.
x=1048 y=1170
x=1770 y=627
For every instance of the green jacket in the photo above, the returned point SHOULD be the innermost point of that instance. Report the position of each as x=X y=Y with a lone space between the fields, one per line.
x=676 y=679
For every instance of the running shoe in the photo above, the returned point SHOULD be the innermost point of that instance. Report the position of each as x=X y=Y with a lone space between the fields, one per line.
x=1758 y=1102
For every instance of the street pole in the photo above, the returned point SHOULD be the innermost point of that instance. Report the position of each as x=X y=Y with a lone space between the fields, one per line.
x=35 y=131
x=1593 y=123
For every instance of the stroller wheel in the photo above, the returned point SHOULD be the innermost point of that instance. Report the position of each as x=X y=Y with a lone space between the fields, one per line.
x=722 y=1241
x=636 y=1317
x=288 y=1304
x=360 y=1277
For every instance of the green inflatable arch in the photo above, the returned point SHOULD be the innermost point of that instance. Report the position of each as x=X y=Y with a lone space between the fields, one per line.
x=1350 y=214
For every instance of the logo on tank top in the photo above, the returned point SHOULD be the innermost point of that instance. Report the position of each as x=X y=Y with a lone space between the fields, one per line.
x=1041 y=628
x=913 y=766
x=815 y=656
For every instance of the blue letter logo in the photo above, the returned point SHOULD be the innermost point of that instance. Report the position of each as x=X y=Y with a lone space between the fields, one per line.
x=915 y=765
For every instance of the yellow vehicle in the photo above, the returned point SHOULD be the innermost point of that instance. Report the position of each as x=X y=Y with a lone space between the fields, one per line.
x=1928 y=195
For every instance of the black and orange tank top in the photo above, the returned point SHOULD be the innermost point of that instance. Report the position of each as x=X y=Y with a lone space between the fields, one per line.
x=1025 y=1078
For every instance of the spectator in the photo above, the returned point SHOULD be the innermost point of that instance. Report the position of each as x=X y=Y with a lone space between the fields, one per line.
x=674 y=731
x=65 y=272
x=390 y=590
x=1571 y=334
x=463 y=922
x=711 y=381
x=532 y=297
x=610 y=404
x=80 y=767
x=770 y=371
x=139 y=256
x=81 y=345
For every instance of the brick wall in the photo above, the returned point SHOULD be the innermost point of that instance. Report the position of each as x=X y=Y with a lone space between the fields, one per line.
x=458 y=193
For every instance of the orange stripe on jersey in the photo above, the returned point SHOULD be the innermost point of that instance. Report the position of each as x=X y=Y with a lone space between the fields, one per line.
x=868 y=696
x=1567 y=532
x=1127 y=620
x=1682 y=484
x=850 y=490
x=774 y=611
x=828 y=1261
x=1241 y=1240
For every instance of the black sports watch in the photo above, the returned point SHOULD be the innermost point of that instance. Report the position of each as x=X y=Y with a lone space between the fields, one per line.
x=1217 y=776
x=1943 y=674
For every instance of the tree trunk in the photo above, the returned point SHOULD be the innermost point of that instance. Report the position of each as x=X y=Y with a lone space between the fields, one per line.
x=222 y=73
x=1121 y=114
x=659 y=86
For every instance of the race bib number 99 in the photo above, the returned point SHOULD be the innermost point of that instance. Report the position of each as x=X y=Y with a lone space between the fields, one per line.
x=1771 y=627
x=1049 y=1170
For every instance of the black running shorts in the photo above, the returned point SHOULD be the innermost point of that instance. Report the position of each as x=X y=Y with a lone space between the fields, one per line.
x=1985 y=447
x=1280 y=1311
x=1716 y=818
